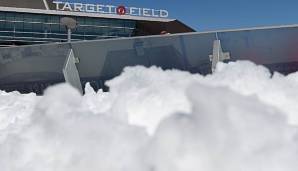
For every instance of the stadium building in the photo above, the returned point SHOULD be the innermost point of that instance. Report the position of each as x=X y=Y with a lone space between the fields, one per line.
x=25 y=22
x=107 y=38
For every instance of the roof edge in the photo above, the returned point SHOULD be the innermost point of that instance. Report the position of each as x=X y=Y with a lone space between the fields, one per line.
x=83 y=14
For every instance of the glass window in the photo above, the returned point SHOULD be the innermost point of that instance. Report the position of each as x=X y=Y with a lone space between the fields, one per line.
x=10 y=16
x=36 y=27
x=2 y=21
x=2 y=16
x=80 y=21
x=19 y=26
x=98 y=30
x=19 y=17
x=104 y=22
x=38 y=18
x=9 y=26
x=79 y=30
x=89 y=21
x=55 y=19
x=28 y=27
x=55 y=28
x=89 y=30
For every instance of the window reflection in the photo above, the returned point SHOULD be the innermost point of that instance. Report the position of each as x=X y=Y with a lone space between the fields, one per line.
x=25 y=28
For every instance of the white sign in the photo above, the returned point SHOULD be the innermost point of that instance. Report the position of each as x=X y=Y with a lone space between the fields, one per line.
x=110 y=9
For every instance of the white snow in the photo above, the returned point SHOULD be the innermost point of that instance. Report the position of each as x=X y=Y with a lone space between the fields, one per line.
x=239 y=118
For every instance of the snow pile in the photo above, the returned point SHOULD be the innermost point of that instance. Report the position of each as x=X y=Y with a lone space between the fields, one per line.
x=248 y=79
x=63 y=135
x=15 y=110
x=239 y=118
x=224 y=132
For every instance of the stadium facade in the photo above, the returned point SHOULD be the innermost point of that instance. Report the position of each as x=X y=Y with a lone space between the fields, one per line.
x=109 y=38
x=25 y=22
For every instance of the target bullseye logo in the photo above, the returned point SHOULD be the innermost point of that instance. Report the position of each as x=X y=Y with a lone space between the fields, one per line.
x=121 y=10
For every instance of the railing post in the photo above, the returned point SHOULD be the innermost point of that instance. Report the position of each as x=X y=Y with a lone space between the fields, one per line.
x=71 y=73
x=218 y=55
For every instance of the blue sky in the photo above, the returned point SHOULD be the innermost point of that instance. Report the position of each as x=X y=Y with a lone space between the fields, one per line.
x=220 y=14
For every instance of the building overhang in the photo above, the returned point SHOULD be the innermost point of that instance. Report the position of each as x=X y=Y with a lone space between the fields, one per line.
x=83 y=14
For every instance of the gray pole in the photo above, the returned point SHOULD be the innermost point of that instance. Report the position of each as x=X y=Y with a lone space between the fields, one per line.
x=69 y=24
x=68 y=35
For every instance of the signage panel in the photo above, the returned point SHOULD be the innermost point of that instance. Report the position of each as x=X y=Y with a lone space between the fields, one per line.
x=110 y=9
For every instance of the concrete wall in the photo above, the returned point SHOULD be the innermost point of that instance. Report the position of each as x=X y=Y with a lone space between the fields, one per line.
x=104 y=59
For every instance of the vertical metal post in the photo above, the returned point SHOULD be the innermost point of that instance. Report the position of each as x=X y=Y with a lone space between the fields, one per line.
x=218 y=55
x=69 y=24
x=14 y=30
x=46 y=5
x=71 y=73
x=68 y=35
